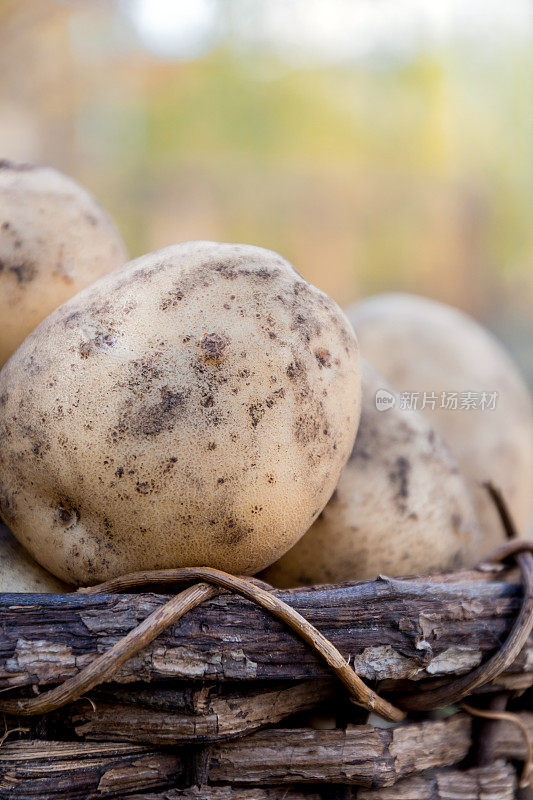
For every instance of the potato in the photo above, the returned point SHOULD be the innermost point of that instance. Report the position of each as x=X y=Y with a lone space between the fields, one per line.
x=400 y=507
x=423 y=346
x=195 y=406
x=54 y=240
x=19 y=572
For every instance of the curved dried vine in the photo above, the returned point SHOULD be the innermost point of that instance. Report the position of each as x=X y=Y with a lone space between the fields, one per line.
x=106 y=665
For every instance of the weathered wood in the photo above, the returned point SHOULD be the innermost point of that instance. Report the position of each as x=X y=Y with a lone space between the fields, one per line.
x=363 y=755
x=495 y=782
x=390 y=629
x=508 y=741
x=233 y=793
x=204 y=715
x=72 y=771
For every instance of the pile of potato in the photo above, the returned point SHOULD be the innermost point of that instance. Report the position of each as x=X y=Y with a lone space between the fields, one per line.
x=205 y=405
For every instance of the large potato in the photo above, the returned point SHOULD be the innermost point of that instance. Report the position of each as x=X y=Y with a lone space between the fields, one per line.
x=54 y=240
x=195 y=406
x=400 y=507
x=423 y=346
x=19 y=572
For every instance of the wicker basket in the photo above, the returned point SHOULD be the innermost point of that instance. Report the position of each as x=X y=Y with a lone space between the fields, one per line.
x=228 y=701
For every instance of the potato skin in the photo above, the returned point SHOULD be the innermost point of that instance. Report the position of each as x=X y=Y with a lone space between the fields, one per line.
x=19 y=572
x=422 y=345
x=195 y=406
x=54 y=240
x=400 y=507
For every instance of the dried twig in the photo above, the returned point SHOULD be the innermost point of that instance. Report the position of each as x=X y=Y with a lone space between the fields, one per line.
x=514 y=719
x=360 y=693
x=105 y=665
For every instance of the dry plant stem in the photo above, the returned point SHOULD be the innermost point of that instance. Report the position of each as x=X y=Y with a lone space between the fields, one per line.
x=514 y=719
x=507 y=551
x=10 y=731
x=105 y=665
x=360 y=693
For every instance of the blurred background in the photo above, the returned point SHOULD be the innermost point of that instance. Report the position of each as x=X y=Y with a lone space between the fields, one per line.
x=377 y=144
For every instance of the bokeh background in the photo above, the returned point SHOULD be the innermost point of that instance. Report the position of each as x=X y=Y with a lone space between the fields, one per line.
x=378 y=144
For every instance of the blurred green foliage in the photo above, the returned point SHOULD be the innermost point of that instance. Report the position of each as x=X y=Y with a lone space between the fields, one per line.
x=411 y=173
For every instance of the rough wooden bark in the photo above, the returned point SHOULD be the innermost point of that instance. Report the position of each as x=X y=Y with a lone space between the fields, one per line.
x=508 y=741
x=390 y=629
x=495 y=782
x=204 y=715
x=364 y=755
x=73 y=771
x=232 y=793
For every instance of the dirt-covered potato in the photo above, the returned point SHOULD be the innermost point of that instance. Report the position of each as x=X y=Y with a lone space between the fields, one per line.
x=19 y=572
x=400 y=507
x=54 y=240
x=195 y=406
x=423 y=346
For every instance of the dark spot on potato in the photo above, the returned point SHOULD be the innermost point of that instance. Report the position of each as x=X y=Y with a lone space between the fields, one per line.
x=140 y=417
x=211 y=445
x=91 y=219
x=85 y=349
x=457 y=521
x=66 y=515
x=213 y=346
x=230 y=271
x=8 y=506
x=24 y=271
x=232 y=532
x=72 y=319
x=34 y=363
x=171 y=300
x=309 y=427
x=226 y=271
x=399 y=477
x=5 y=226
x=16 y=167
x=295 y=370
x=279 y=394
x=119 y=472
x=101 y=342
x=159 y=416
x=256 y=412
x=323 y=357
